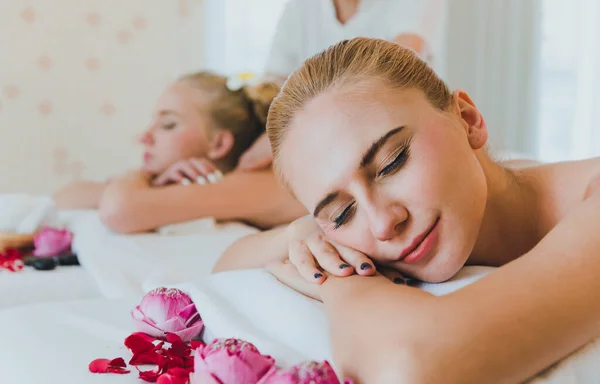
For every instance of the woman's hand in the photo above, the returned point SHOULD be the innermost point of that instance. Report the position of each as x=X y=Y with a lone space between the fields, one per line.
x=193 y=170
x=312 y=254
x=288 y=275
x=258 y=156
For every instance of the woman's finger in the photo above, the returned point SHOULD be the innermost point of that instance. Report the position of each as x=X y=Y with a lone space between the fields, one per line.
x=208 y=170
x=288 y=275
x=328 y=257
x=393 y=275
x=171 y=175
x=361 y=263
x=301 y=257
x=188 y=171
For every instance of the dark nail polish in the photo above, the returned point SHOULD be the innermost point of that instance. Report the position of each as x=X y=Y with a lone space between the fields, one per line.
x=364 y=266
x=399 y=280
x=317 y=275
x=342 y=266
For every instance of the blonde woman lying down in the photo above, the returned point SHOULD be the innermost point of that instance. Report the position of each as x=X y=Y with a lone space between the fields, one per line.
x=199 y=130
x=392 y=165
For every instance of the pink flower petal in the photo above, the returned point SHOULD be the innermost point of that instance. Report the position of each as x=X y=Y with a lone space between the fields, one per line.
x=304 y=373
x=203 y=378
x=231 y=369
x=191 y=332
x=188 y=311
x=167 y=310
x=51 y=242
x=232 y=361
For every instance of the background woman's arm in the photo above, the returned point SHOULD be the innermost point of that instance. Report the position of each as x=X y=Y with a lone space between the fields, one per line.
x=131 y=205
x=80 y=195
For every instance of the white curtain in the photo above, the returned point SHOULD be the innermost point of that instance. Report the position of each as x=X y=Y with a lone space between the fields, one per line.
x=492 y=52
x=569 y=112
x=238 y=33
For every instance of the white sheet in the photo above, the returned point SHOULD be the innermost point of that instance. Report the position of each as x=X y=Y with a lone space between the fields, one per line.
x=112 y=265
x=32 y=286
x=125 y=265
x=53 y=343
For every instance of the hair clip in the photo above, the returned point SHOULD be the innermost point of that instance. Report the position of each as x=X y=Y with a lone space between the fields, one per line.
x=237 y=82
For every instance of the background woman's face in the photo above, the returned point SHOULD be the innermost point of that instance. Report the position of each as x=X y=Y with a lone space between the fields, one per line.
x=179 y=128
x=388 y=174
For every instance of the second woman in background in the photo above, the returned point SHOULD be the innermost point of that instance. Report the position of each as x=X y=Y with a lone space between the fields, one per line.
x=201 y=126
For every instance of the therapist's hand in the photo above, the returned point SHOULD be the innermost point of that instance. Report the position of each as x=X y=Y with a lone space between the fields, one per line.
x=258 y=156
x=414 y=42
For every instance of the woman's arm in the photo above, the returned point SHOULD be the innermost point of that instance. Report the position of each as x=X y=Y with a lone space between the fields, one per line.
x=254 y=251
x=505 y=327
x=79 y=194
x=130 y=205
x=259 y=249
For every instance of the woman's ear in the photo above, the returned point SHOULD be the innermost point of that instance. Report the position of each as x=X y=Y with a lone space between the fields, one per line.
x=220 y=145
x=472 y=121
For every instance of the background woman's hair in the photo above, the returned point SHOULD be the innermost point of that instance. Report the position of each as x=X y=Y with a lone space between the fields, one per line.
x=242 y=112
x=351 y=62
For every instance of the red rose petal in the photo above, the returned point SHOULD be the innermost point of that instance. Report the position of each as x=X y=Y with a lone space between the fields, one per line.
x=148 y=357
x=139 y=342
x=118 y=362
x=150 y=376
x=167 y=378
x=195 y=344
x=108 y=366
x=176 y=362
x=99 y=365
x=182 y=372
x=173 y=338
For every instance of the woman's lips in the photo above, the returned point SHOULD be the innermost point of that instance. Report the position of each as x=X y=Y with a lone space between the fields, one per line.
x=421 y=246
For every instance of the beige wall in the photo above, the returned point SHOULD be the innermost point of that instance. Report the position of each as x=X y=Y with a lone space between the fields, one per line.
x=78 y=79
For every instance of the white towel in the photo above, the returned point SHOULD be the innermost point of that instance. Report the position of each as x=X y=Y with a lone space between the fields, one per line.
x=26 y=213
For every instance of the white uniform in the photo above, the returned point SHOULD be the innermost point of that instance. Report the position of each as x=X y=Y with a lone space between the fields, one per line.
x=307 y=27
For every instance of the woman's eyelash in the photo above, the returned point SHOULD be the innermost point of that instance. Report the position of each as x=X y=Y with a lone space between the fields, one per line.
x=396 y=163
x=343 y=217
x=169 y=126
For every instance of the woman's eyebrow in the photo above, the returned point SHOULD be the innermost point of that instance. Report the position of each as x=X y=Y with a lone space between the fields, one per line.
x=370 y=153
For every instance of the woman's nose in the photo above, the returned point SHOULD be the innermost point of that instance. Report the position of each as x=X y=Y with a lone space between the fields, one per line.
x=386 y=222
x=147 y=138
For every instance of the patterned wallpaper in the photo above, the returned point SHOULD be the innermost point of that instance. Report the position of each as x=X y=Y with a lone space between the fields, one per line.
x=78 y=80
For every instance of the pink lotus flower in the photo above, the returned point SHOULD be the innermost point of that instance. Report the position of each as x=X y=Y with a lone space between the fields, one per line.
x=165 y=311
x=229 y=361
x=51 y=242
x=310 y=372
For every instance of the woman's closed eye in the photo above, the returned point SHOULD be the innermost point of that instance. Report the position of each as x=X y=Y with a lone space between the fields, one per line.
x=345 y=216
x=395 y=164
x=168 y=126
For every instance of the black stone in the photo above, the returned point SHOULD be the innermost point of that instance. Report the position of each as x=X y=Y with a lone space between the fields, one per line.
x=67 y=259
x=45 y=264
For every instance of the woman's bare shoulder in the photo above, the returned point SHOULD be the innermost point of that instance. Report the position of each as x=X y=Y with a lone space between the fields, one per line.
x=574 y=175
x=560 y=186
